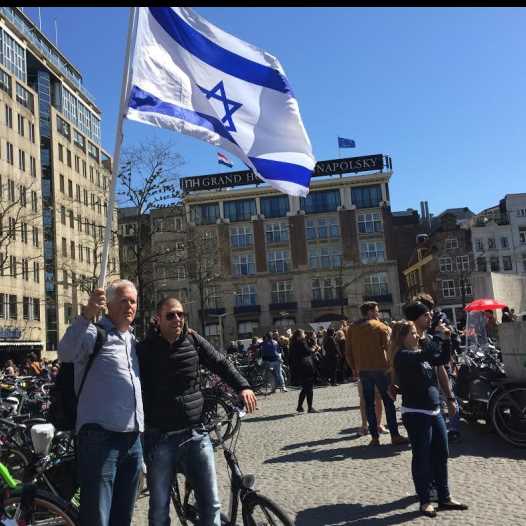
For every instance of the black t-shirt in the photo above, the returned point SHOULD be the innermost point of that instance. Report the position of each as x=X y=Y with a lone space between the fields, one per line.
x=416 y=374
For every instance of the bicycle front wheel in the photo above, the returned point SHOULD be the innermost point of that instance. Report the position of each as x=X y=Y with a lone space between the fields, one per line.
x=259 y=510
x=46 y=510
x=508 y=415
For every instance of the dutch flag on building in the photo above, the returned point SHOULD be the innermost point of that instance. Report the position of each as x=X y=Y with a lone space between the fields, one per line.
x=223 y=159
x=190 y=76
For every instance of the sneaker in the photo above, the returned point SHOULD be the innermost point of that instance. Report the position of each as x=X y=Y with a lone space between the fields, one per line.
x=300 y=410
x=284 y=390
x=399 y=440
x=374 y=442
x=383 y=430
x=312 y=410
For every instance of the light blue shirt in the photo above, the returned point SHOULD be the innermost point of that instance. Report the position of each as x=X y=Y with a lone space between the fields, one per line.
x=111 y=396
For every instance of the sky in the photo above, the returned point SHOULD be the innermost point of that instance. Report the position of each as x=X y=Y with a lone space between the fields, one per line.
x=440 y=90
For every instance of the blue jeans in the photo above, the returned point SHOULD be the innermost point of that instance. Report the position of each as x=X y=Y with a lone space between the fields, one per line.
x=428 y=437
x=109 y=465
x=369 y=380
x=278 y=373
x=191 y=453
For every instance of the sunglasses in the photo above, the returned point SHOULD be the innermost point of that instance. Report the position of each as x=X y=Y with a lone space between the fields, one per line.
x=172 y=315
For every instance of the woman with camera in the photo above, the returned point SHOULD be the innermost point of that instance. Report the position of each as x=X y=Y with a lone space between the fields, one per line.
x=412 y=362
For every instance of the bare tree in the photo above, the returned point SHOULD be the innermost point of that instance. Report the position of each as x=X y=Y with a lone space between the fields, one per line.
x=148 y=179
x=19 y=215
x=203 y=269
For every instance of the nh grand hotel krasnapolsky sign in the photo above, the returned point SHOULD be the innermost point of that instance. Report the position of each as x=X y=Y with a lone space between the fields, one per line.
x=366 y=163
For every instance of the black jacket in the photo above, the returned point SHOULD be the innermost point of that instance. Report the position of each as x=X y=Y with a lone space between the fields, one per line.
x=305 y=371
x=172 y=397
x=416 y=374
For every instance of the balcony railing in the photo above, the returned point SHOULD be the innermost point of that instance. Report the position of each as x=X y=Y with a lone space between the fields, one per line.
x=336 y=302
x=290 y=305
x=380 y=298
x=247 y=309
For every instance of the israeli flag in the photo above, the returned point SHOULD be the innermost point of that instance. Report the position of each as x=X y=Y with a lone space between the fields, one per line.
x=192 y=77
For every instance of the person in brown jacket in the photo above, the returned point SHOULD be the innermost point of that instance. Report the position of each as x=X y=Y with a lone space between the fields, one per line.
x=366 y=349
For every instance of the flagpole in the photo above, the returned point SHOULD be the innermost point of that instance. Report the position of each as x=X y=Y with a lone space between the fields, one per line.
x=117 y=151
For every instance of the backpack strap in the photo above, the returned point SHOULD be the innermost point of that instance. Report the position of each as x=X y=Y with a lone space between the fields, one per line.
x=102 y=334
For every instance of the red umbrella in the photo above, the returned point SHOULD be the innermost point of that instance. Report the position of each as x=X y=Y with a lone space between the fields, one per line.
x=484 y=304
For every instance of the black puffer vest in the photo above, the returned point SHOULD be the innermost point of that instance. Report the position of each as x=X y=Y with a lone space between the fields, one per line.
x=170 y=376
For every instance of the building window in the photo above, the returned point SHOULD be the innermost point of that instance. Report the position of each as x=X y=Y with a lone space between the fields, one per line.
x=34 y=201
x=63 y=214
x=372 y=251
x=22 y=160
x=494 y=263
x=370 y=223
x=21 y=125
x=27 y=310
x=367 y=196
x=36 y=309
x=275 y=206
x=376 y=284
x=213 y=297
x=68 y=313
x=282 y=292
x=8 y=116
x=491 y=243
x=13 y=314
x=325 y=257
x=11 y=190
x=323 y=228
x=245 y=295
x=284 y=323
x=468 y=290
x=463 y=263
x=10 y=153
x=71 y=219
x=4 y=306
x=23 y=195
x=522 y=235
x=23 y=232
x=25 y=269
x=241 y=236
x=524 y=262
x=326 y=288
x=321 y=201
x=278 y=261
x=504 y=243
x=479 y=245
x=12 y=266
x=36 y=271
x=64 y=247
x=482 y=264
x=32 y=166
x=277 y=232
x=240 y=210
x=72 y=249
x=35 y=237
x=243 y=264
x=207 y=214
x=448 y=288
x=212 y=329
x=521 y=212
x=506 y=263
x=246 y=328
x=68 y=157
x=451 y=243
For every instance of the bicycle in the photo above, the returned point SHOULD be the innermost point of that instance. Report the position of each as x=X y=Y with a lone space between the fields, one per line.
x=24 y=504
x=256 y=509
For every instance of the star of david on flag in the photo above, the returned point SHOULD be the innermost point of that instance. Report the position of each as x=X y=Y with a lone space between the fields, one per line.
x=190 y=76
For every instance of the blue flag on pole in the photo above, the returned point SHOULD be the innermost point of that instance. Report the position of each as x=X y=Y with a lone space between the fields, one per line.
x=346 y=143
x=190 y=76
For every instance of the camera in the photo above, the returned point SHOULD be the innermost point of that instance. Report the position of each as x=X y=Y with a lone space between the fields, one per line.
x=438 y=317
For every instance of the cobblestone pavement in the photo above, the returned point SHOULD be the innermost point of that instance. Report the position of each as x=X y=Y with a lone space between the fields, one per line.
x=323 y=474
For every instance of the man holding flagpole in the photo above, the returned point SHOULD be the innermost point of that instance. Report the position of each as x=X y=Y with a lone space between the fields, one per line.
x=185 y=74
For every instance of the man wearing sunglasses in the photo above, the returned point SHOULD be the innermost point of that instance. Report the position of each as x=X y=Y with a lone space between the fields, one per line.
x=170 y=362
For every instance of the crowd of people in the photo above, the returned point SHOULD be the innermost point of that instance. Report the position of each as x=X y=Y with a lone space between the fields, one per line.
x=143 y=400
x=32 y=365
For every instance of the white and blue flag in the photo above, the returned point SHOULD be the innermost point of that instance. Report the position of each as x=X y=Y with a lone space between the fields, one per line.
x=190 y=76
